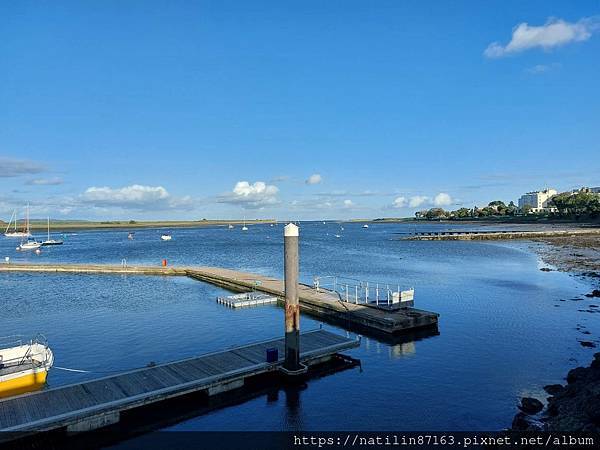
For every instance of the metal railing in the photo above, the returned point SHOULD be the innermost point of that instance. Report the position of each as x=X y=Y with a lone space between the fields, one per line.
x=356 y=291
x=28 y=356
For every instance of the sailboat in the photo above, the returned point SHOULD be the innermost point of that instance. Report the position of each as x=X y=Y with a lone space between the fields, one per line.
x=230 y=227
x=244 y=228
x=15 y=233
x=29 y=244
x=49 y=241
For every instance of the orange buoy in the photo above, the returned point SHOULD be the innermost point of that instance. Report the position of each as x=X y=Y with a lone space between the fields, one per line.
x=164 y=263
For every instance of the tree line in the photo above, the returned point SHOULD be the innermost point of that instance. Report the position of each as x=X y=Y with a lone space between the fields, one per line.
x=568 y=205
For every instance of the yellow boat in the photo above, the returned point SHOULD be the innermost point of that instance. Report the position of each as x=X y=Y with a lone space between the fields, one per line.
x=23 y=365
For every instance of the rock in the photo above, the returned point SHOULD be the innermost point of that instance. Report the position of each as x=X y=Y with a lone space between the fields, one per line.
x=594 y=293
x=576 y=374
x=531 y=405
x=520 y=422
x=553 y=389
x=546 y=269
x=587 y=344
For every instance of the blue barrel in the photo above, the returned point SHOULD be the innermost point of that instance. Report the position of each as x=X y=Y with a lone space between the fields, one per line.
x=272 y=355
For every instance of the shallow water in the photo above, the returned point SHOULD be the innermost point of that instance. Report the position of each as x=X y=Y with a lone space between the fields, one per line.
x=504 y=333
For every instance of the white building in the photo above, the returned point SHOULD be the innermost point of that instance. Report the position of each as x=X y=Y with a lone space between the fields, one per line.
x=538 y=200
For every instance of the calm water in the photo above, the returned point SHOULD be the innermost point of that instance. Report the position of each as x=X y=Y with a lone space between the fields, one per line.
x=504 y=333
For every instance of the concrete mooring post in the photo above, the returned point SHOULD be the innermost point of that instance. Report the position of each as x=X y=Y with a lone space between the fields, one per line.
x=292 y=307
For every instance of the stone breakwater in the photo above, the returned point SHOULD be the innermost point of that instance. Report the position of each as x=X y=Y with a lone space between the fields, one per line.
x=572 y=407
x=477 y=235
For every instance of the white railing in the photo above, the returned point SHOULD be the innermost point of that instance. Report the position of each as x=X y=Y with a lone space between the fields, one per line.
x=364 y=292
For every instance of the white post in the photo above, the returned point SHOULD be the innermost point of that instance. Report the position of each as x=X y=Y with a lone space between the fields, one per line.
x=367 y=293
x=346 y=292
x=377 y=294
x=356 y=294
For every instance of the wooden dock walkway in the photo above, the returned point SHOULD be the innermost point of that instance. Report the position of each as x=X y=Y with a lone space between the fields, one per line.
x=323 y=305
x=97 y=403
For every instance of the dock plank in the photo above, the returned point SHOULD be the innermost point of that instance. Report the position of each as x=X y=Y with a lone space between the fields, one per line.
x=58 y=407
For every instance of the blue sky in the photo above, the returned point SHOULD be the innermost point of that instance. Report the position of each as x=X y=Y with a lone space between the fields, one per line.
x=224 y=109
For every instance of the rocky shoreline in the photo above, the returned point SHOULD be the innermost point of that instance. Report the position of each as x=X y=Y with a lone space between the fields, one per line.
x=579 y=255
x=573 y=407
x=576 y=405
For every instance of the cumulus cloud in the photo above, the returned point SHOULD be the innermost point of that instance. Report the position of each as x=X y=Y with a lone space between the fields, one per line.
x=442 y=199
x=45 y=181
x=10 y=167
x=251 y=196
x=348 y=203
x=315 y=178
x=554 y=33
x=417 y=201
x=400 y=202
x=133 y=197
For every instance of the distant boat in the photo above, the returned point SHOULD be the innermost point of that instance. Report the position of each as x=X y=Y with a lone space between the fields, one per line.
x=323 y=223
x=365 y=226
x=166 y=237
x=16 y=234
x=131 y=235
x=244 y=228
x=49 y=241
x=338 y=236
x=230 y=227
x=30 y=244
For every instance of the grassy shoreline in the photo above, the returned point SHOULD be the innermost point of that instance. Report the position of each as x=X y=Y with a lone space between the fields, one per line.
x=116 y=224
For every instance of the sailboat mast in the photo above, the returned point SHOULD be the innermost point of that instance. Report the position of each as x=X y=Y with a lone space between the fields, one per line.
x=9 y=222
x=48 y=227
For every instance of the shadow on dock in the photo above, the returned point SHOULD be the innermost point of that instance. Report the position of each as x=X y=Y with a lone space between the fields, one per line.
x=138 y=427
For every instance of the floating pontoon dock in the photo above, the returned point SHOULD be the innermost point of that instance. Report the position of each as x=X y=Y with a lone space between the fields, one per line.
x=321 y=304
x=98 y=403
x=247 y=299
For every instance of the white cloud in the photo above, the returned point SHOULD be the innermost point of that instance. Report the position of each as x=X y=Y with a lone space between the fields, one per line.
x=10 y=167
x=251 y=196
x=554 y=33
x=417 y=201
x=133 y=197
x=45 y=181
x=442 y=199
x=400 y=202
x=541 y=68
x=348 y=204
x=315 y=178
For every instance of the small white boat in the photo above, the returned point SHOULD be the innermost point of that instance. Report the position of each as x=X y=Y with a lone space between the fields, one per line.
x=130 y=236
x=29 y=245
x=338 y=236
x=23 y=365
x=165 y=237
x=365 y=226
x=244 y=228
x=230 y=227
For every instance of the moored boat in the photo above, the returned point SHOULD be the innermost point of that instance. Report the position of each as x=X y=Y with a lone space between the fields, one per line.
x=29 y=244
x=15 y=233
x=166 y=237
x=49 y=241
x=24 y=366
